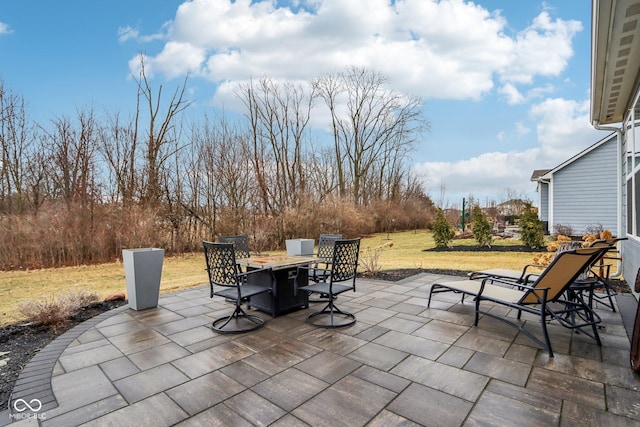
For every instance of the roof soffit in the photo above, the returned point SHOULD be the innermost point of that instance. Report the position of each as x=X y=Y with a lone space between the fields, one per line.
x=615 y=58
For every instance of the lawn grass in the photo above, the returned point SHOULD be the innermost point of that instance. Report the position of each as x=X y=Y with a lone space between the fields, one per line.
x=408 y=251
x=187 y=271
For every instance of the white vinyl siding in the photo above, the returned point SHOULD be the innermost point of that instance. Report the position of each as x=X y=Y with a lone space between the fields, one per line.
x=585 y=191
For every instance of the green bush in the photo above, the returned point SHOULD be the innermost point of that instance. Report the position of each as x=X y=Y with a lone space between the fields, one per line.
x=480 y=227
x=531 y=228
x=442 y=230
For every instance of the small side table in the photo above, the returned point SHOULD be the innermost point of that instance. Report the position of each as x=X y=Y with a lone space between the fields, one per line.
x=578 y=289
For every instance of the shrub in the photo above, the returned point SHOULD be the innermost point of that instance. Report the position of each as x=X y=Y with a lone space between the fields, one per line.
x=563 y=230
x=480 y=227
x=555 y=244
x=54 y=312
x=442 y=230
x=588 y=239
x=595 y=229
x=531 y=228
x=369 y=258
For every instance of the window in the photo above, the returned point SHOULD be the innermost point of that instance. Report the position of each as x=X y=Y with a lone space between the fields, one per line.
x=631 y=141
x=629 y=207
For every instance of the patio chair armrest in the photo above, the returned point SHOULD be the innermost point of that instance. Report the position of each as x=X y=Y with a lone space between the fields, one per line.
x=600 y=271
x=531 y=266
x=531 y=277
x=244 y=276
x=477 y=275
x=511 y=283
x=521 y=286
x=295 y=280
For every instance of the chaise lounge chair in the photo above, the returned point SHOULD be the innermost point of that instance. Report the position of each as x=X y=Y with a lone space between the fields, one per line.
x=594 y=277
x=543 y=295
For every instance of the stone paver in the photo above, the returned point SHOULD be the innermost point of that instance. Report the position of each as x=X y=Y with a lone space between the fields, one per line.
x=400 y=364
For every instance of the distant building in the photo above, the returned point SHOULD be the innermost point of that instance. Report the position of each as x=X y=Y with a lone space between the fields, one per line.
x=511 y=208
x=581 y=193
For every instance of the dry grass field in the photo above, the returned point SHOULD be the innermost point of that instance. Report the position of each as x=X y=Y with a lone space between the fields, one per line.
x=403 y=250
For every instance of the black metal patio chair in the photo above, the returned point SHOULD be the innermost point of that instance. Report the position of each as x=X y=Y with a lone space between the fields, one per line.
x=341 y=277
x=233 y=285
x=240 y=243
x=324 y=254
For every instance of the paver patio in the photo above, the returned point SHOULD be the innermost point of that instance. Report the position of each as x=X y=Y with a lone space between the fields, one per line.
x=400 y=364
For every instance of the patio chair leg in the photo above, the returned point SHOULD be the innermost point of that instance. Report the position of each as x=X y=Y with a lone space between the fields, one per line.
x=594 y=325
x=609 y=297
x=242 y=322
x=543 y=320
x=332 y=310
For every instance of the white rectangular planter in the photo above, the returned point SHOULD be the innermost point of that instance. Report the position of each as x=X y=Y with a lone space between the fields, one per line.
x=142 y=273
x=297 y=247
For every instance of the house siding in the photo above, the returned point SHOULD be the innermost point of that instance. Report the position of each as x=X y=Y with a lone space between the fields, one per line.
x=544 y=201
x=584 y=192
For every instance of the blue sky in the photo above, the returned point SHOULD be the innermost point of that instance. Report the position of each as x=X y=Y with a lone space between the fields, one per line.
x=505 y=83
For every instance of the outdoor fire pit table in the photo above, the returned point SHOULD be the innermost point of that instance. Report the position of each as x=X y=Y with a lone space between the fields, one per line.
x=284 y=269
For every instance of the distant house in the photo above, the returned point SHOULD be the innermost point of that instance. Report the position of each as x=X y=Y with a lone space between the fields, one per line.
x=582 y=192
x=510 y=208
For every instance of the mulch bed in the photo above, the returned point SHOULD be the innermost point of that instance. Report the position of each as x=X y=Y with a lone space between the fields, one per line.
x=399 y=274
x=620 y=286
x=494 y=248
x=21 y=341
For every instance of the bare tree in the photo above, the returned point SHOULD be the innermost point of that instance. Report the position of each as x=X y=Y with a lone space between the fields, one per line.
x=279 y=115
x=373 y=127
x=322 y=175
x=220 y=178
x=160 y=127
x=73 y=158
x=16 y=137
x=118 y=142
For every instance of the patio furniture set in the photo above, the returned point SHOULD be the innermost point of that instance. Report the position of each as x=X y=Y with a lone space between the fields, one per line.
x=563 y=291
x=278 y=284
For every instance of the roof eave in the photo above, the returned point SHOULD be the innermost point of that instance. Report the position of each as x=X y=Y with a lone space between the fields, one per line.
x=615 y=59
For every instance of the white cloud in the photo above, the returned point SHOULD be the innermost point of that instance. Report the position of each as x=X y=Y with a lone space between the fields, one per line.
x=512 y=94
x=127 y=33
x=521 y=129
x=453 y=50
x=435 y=49
x=514 y=97
x=563 y=128
x=178 y=59
x=563 y=131
x=486 y=175
x=542 y=49
x=5 y=29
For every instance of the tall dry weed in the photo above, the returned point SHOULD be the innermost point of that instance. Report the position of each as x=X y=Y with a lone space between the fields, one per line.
x=370 y=258
x=56 y=311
